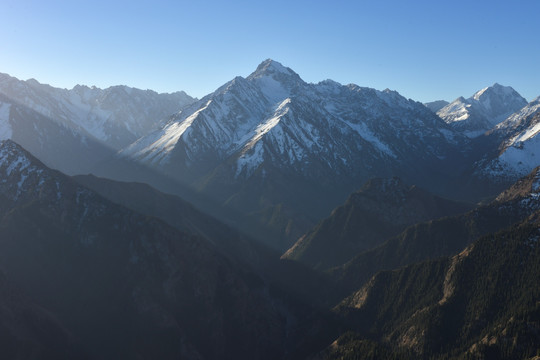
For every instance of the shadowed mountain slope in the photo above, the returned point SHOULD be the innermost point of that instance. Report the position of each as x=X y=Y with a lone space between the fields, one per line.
x=381 y=209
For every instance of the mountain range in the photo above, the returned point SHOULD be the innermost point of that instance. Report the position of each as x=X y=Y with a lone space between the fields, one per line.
x=480 y=303
x=271 y=151
x=270 y=219
x=129 y=285
x=382 y=208
x=72 y=130
x=264 y=145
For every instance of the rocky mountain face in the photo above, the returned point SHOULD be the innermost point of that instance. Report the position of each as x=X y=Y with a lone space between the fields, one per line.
x=284 y=152
x=73 y=129
x=381 y=209
x=128 y=285
x=482 y=111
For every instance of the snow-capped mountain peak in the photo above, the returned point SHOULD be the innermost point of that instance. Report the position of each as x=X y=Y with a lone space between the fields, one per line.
x=495 y=88
x=271 y=138
x=271 y=67
x=483 y=110
x=497 y=99
x=276 y=81
x=116 y=116
x=273 y=116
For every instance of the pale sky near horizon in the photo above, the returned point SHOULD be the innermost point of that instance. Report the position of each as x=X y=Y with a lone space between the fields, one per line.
x=426 y=50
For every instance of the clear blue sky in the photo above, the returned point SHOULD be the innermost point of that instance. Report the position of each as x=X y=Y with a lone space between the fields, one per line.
x=426 y=50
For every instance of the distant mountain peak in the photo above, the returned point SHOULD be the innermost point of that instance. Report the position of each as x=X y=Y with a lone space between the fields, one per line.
x=329 y=82
x=273 y=69
x=33 y=81
x=272 y=125
x=273 y=65
x=497 y=90
x=484 y=110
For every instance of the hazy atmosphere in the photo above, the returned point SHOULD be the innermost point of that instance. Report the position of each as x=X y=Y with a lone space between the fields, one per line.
x=277 y=180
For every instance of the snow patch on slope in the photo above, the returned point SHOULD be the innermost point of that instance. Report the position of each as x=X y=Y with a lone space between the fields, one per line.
x=518 y=116
x=269 y=124
x=252 y=155
x=156 y=149
x=523 y=157
x=272 y=89
x=526 y=135
x=367 y=135
x=250 y=160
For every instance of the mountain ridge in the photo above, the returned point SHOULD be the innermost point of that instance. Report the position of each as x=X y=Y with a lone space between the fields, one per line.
x=240 y=143
x=129 y=285
x=443 y=237
x=116 y=115
x=382 y=208
x=454 y=307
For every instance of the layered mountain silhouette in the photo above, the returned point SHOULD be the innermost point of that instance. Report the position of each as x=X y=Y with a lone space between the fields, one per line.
x=73 y=130
x=127 y=285
x=282 y=152
x=246 y=263
x=444 y=236
x=381 y=209
x=480 y=303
